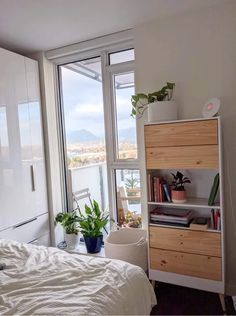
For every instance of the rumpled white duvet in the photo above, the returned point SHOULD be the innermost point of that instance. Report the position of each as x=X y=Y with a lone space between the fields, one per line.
x=48 y=281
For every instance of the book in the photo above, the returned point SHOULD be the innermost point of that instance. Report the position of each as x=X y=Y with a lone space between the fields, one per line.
x=171 y=224
x=212 y=219
x=150 y=187
x=215 y=219
x=171 y=215
x=165 y=187
x=214 y=190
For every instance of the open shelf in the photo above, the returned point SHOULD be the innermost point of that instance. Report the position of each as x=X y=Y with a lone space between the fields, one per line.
x=191 y=202
x=182 y=227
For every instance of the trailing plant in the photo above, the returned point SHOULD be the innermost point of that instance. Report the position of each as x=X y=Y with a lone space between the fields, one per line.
x=179 y=180
x=140 y=101
x=93 y=221
x=69 y=221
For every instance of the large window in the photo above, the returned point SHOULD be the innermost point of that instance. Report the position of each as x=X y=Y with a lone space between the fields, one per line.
x=99 y=133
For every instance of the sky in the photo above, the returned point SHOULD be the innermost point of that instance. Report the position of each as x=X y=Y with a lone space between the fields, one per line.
x=83 y=104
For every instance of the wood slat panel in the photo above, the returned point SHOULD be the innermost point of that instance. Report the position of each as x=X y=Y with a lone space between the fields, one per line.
x=182 y=134
x=205 y=267
x=183 y=157
x=191 y=241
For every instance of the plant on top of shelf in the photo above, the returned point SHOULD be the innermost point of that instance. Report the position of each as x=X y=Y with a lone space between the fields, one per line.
x=141 y=101
x=178 y=192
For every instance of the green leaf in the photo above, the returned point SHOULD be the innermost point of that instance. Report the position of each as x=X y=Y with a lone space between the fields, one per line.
x=87 y=209
x=96 y=208
x=170 y=85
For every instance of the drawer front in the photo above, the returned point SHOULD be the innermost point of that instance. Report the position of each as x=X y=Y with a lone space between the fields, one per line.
x=191 y=241
x=205 y=267
x=42 y=241
x=29 y=230
x=182 y=134
x=186 y=157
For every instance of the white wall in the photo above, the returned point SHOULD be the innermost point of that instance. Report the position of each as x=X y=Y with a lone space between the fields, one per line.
x=198 y=52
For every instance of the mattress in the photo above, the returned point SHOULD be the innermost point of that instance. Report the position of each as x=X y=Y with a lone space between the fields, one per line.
x=37 y=280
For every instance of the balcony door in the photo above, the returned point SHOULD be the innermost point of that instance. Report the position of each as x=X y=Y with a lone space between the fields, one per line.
x=99 y=135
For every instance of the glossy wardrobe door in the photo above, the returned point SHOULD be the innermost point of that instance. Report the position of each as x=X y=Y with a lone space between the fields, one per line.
x=39 y=193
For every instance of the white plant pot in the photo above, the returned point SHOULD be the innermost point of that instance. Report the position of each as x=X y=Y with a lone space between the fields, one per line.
x=71 y=240
x=161 y=111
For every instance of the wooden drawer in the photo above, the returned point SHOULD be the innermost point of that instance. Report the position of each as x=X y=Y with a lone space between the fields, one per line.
x=183 y=157
x=200 y=266
x=29 y=230
x=182 y=134
x=191 y=241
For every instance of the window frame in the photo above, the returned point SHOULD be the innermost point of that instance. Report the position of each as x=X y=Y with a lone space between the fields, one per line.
x=108 y=71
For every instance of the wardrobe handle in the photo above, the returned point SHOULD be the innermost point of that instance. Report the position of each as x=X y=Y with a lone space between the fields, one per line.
x=26 y=222
x=34 y=241
x=32 y=172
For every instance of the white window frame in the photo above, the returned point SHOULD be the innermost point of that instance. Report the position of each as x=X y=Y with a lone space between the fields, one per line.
x=101 y=47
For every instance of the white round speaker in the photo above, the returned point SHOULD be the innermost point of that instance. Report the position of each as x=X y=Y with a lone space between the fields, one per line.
x=211 y=108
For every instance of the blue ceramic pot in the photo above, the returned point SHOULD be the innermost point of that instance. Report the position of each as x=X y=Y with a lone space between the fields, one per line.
x=93 y=244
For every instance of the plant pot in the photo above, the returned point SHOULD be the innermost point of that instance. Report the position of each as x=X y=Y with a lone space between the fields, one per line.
x=71 y=240
x=93 y=244
x=161 y=111
x=178 y=196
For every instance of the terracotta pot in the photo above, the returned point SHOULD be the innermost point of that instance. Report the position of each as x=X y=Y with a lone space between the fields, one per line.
x=178 y=196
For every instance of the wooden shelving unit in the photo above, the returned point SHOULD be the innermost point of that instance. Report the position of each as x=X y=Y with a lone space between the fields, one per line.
x=180 y=255
x=191 y=202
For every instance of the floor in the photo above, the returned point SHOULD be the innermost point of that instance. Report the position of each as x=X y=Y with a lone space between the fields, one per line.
x=176 y=300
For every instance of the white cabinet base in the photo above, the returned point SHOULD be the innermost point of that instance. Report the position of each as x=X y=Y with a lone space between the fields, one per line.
x=187 y=281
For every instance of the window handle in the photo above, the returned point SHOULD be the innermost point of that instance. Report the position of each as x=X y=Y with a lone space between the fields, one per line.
x=32 y=172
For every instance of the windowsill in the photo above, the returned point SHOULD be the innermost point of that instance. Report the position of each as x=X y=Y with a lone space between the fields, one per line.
x=80 y=249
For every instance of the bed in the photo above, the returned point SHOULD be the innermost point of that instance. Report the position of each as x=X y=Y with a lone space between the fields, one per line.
x=37 y=280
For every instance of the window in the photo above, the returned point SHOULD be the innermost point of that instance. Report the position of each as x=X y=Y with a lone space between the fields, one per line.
x=121 y=57
x=99 y=133
x=126 y=125
x=82 y=99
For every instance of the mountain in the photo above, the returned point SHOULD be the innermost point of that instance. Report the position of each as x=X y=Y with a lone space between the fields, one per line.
x=128 y=134
x=80 y=136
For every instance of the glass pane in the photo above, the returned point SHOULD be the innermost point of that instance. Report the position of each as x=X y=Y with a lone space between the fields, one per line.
x=84 y=128
x=126 y=124
x=121 y=57
x=4 y=141
x=128 y=197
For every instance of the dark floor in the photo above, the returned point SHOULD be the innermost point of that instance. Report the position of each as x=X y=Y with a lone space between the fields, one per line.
x=177 y=300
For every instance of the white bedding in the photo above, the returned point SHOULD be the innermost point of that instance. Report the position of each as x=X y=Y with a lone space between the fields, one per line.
x=48 y=281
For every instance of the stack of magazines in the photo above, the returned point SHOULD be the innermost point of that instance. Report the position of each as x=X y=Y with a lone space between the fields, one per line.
x=173 y=217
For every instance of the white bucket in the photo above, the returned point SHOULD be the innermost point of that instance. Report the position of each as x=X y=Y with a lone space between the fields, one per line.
x=162 y=111
x=71 y=240
x=128 y=244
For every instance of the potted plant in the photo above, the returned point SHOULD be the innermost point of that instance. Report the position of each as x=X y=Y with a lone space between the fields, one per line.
x=69 y=221
x=159 y=104
x=178 y=192
x=91 y=225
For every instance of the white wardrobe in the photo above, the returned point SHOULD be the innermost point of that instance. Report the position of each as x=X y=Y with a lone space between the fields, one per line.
x=23 y=195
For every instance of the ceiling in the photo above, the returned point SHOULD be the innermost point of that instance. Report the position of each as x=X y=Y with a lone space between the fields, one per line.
x=28 y=26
